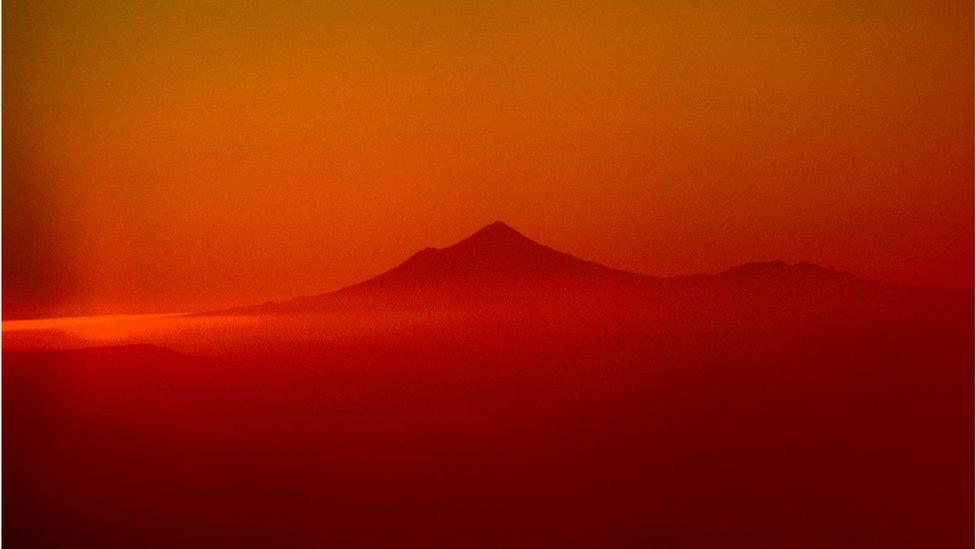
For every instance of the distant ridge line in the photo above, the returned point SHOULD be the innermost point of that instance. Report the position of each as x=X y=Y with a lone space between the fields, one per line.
x=498 y=263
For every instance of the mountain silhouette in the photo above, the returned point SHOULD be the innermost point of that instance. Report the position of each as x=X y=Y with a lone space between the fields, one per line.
x=499 y=267
x=497 y=251
x=493 y=267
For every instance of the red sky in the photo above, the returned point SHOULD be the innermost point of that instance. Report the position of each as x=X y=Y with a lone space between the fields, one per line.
x=173 y=156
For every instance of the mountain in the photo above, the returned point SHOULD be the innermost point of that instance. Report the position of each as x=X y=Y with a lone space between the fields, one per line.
x=495 y=266
x=498 y=267
x=495 y=254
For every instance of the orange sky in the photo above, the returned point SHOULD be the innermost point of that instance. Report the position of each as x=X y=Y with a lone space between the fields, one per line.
x=173 y=156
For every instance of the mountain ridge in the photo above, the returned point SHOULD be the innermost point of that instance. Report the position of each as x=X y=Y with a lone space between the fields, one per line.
x=498 y=265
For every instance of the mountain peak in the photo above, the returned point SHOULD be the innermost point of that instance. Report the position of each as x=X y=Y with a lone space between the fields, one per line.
x=495 y=236
x=498 y=229
x=498 y=226
x=495 y=252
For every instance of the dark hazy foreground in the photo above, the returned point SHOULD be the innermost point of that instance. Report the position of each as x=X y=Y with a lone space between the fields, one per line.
x=789 y=421
x=499 y=393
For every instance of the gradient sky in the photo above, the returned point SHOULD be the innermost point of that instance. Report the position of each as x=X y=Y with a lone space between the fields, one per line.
x=174 y=156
